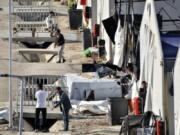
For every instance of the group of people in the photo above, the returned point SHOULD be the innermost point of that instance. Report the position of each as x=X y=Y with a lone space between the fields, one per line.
x=52 y=27
x=64 y=103
x=127 y=83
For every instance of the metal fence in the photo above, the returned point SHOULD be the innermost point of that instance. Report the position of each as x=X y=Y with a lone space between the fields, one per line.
x=30 y=15
x=29 y=86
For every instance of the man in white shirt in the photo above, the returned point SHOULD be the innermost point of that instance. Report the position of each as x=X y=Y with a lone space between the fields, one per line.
x=50 y=22
x=41 y=96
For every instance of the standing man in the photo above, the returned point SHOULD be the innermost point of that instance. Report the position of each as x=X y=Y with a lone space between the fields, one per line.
x=50 y=22
x=65 y=106
x=41 y=96
x=143 y=91
x=59 y=42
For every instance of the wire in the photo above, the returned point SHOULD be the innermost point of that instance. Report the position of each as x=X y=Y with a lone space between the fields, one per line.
x=162 y=9
x=170 y=4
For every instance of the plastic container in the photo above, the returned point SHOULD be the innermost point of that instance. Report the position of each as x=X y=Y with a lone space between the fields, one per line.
x=75 y=18
x=118 y=109
x=86 y=38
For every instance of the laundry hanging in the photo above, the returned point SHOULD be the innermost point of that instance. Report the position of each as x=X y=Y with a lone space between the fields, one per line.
x=87 y=12
x=110 y=25
x=96 y=29
x=120 y=38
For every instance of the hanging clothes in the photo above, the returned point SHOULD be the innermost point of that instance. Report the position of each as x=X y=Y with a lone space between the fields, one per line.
x=110 y=24
x=120 y=38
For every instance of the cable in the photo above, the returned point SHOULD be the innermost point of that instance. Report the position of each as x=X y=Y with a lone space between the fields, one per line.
x=170 y=5
x=162 y=9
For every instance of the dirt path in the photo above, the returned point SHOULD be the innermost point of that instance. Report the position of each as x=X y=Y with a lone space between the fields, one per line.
x=92 y=125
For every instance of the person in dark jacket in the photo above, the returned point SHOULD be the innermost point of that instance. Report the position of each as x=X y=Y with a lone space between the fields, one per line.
x=65 y=106
x=60 y=42
x=143 y=91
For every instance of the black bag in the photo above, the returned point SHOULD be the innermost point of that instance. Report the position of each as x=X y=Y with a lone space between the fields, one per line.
x=59 y=40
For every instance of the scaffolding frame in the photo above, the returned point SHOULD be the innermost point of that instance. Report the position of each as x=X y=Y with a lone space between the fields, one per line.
x=27 y=87
x=50 y=82
x=30 y=15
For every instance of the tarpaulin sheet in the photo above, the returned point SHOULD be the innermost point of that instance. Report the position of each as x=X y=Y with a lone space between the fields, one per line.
x=4 y=114
x=110 y=25
x=103 y=88
x=170 y=45
x=94 y=107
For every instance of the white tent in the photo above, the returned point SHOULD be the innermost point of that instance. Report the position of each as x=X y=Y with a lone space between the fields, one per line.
x=103 y=88
x=176 y=94
x=151 y=57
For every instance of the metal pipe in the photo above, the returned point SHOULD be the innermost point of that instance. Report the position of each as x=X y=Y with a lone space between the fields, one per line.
x=29 y=90
x=10 y=69
x=21 y=107
x=124 y=1
x=33 y=95
x=48 y=90
x=171 y=20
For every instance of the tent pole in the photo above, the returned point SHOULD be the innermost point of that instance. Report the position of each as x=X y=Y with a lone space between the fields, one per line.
x=10 y=69
x=21 y=107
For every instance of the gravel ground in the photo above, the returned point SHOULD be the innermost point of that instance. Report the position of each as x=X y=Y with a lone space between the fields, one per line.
x=91 y=125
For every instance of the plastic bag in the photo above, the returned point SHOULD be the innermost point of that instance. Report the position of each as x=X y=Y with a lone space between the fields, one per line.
x=146 y=131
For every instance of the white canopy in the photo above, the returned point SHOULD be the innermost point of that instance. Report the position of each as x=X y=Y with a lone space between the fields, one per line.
x=151 y=57
x=103 y=88
x=177 y=94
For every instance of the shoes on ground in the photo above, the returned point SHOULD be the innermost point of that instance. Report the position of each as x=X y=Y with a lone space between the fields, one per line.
x=45 y=130
x=64 y=60
x=61 y=61
x=36 y=130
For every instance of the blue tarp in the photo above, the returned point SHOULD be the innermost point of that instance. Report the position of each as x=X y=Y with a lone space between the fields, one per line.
x=170 y=45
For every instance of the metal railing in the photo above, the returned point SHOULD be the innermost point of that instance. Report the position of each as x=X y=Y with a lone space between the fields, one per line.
x=30 y=15
x=50 y=82
x=27 y=87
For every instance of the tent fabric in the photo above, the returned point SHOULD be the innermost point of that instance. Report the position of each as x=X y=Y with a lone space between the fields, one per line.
x=134 y=90
x=95 y=107
x=103 y=88
x=176 y=94
x=151 y=56
x=4 y=114
x=110 y=25
x=170 y=45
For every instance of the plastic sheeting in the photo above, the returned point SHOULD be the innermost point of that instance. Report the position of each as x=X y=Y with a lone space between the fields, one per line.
x=120 y=38
x=103 y=88
x=177 y=94
x=4 y=114
x=95 y=107
x=170 y=45
x=151 y=57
